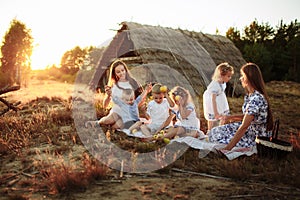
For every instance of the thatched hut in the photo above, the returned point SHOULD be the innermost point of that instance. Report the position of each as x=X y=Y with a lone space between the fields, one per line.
x=172 y=57
x=162 y=74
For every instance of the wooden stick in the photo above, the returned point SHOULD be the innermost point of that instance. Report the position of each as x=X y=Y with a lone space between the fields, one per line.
x=10 y=106
x=6 y=179
x=9 y=89
x=200 y=174
x=243 y=196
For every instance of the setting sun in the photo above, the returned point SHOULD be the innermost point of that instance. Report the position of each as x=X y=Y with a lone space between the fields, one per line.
x=41 y=59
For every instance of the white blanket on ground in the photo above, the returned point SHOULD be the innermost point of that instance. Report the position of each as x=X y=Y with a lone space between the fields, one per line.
x=137 y=134
x=206 y=147
x=203 y=145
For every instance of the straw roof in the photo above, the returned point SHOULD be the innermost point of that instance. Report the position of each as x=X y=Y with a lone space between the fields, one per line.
x=157 y=73
x=192 y=55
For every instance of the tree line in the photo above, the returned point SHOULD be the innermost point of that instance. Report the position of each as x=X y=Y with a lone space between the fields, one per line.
x=15 y=61
x=275 y=50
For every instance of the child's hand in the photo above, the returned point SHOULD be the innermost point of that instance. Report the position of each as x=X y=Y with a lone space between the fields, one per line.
x=181 y=100
x=143 y=108
x=222 y=120
x=177 y=98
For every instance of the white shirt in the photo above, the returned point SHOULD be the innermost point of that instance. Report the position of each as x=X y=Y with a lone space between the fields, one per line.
x=158 y=113
x=221 y=100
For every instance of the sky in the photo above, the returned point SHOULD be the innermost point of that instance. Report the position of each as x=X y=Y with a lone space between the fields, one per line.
x=59 y=25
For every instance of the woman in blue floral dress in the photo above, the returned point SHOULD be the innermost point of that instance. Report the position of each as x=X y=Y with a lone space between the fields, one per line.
x=256 y=119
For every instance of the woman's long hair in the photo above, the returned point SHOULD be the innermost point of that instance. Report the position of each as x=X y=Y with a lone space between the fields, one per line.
x=113 y=79
x=255 y=79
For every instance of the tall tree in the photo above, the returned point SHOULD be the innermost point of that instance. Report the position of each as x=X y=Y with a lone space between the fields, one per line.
x=235 y=36
x=276 y=51
x=72 y=60
x=258 y=32
x=294 y=51
x=16 y=52
x=285 y=51
x=259 y=54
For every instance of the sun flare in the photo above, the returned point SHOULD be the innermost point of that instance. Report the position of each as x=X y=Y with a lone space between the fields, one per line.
x=43 y=58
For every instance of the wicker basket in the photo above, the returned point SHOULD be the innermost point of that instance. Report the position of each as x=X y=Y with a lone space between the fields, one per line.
x=271 y=147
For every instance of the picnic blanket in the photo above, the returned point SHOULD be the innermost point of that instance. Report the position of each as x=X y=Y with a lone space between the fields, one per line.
x=137 y=134
x=203 y=145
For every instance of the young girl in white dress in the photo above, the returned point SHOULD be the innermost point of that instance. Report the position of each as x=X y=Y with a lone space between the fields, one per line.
x=187 y=124
x=215 y=104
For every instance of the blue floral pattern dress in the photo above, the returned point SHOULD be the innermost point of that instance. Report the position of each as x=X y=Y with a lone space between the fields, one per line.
x=254 y=104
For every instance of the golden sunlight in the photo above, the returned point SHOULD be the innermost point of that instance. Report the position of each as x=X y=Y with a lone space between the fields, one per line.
x=43 y=58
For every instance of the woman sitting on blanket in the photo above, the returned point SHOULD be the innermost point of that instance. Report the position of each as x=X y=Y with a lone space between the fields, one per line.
x=256 y=119
x=187 y=123
x=119 y=79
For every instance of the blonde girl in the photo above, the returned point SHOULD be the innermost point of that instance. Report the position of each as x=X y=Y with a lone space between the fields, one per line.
x=215 y=104
x=187 y=123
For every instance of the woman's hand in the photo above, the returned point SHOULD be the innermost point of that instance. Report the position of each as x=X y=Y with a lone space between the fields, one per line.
x=218 y=116
x=107 y=90
x=107 y=98
x=223 y=119
x=148 y=87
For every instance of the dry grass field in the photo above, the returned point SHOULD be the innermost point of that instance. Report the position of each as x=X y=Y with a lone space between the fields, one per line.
x=42 y=156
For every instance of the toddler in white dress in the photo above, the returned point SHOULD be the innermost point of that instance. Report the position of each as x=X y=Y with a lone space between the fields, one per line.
x=215 y=104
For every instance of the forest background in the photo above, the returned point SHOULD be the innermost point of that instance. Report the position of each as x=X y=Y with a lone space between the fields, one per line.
x=275 y=49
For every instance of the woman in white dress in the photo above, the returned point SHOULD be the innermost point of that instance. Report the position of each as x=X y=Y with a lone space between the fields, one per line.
x=119 y=79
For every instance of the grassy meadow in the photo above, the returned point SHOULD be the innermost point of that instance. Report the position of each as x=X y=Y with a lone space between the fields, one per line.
x=42 y=156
